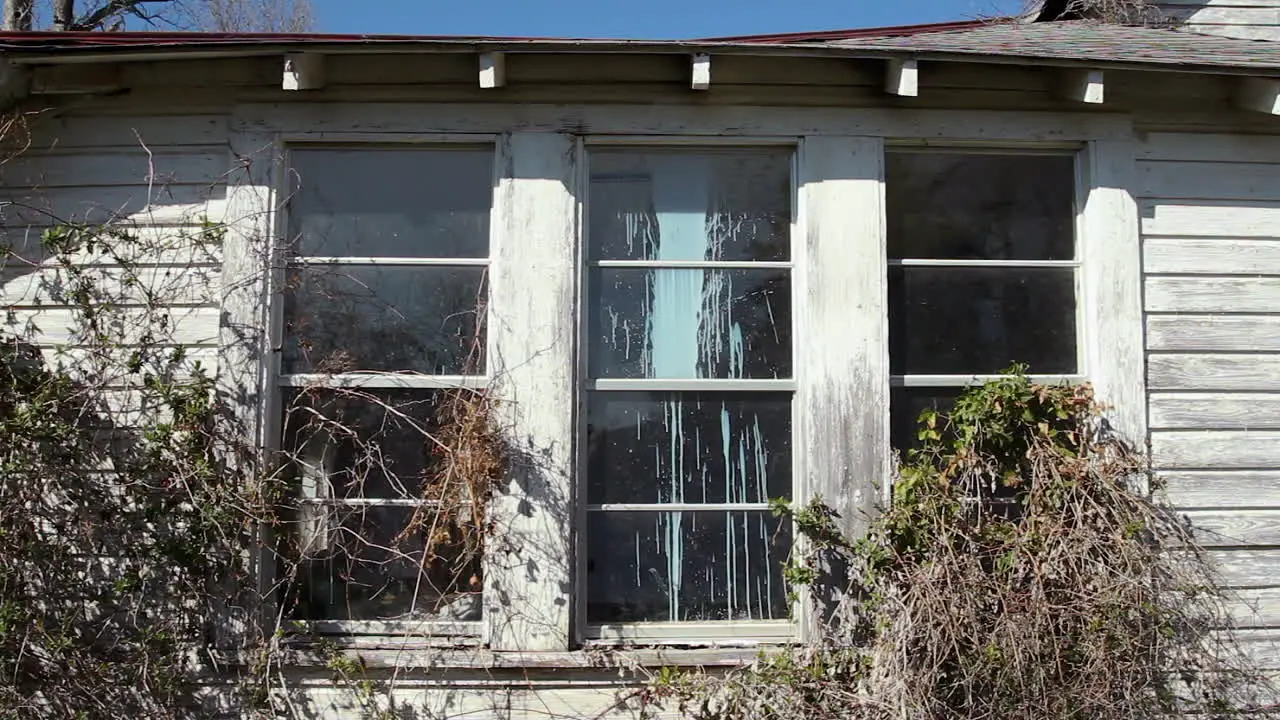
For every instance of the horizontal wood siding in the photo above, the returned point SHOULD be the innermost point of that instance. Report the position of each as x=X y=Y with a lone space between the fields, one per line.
x=1210 y=211
x=156 y=177
x=1251 y=19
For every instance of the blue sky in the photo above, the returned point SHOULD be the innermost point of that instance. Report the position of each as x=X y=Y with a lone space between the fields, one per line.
x=655 y=19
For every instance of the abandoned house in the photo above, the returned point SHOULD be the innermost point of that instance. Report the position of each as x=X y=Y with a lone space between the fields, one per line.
x=696 y=275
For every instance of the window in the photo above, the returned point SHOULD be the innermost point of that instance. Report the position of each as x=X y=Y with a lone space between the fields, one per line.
x=635 y=308
x=384 y=314
x=689 y=384
x=982 y=273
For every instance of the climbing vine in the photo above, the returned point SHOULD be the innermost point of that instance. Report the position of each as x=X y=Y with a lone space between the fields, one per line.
x=136 y=522
x=1022 y=570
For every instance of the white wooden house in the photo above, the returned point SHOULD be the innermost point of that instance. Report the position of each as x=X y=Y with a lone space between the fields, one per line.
x=751 y=259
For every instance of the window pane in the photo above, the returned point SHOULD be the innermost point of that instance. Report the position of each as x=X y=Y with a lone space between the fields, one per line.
x=730 y=204
x=1003 y=207
x=658 y=566
x=966 y=321
x=690 y=323
x=348 y=318
x=391 y=202
x=369 y=564
x=349 y=443
x=906 y=404
x=688 y=447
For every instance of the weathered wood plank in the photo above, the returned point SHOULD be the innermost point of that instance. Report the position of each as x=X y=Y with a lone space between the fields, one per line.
x=1213 y=294
x=159 y=168
x=172 y=285
x=1214 y=411
x=180 y=205
x=1222 y=489
x=1213 y=372
x=1111 y=285
x=1194 y=256
x=1247 y=568
x=158 y=131
x=1213 y=333
x=1236 y=528
x=533 y=334
x=844 y=415
x=682 y=120
x=1218 y=218
x=1255 y=608
x=1208 y=147
x=1172 y=180
x=61 y=326
x=1227 y=449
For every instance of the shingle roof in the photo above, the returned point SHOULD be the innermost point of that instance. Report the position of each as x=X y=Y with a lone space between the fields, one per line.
x=1082 y=41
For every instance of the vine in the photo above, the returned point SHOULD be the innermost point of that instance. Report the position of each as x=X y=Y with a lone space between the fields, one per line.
x=1022 y=570
x=135 y=532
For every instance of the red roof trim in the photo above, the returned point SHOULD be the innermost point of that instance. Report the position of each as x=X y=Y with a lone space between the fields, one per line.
x=852 y=34
x=49 y=40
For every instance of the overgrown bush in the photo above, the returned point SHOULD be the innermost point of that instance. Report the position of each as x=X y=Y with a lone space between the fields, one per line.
x=1022 y=570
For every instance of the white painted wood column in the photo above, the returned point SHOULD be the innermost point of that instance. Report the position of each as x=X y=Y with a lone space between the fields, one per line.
x=842 y=344
x=244 y=343
x=533 y=326
x=1111 y=285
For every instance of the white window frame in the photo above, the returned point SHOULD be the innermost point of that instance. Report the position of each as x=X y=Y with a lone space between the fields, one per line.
x=286 y=146
x=840 y=323
x=729 y=632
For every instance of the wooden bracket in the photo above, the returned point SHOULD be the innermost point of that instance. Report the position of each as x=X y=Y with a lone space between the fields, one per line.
x=493 y=70
x=902 y=78
x=701 y=72
x=1259 y=94
x=303 y=71
x=1084 y=86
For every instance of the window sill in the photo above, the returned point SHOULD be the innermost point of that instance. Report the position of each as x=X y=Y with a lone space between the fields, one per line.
x=389 y=653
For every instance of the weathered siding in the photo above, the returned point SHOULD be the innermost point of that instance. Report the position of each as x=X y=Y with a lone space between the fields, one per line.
x=1250 y=19
x=160 y=176
x=1210 y=207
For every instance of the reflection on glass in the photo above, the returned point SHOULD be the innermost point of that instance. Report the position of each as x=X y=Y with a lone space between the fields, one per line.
x=980 y=207
x=368 y=564
x=690 y=323
x=688 y=447
x=361 y=443
x=670 y=566
x=965 y=321
x=391 y=202
x=728 y=204
x=906 y=404
x=352 y=318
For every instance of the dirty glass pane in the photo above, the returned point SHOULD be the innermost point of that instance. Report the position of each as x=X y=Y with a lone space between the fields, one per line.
x=391 y=202
x=369 y=564
x=727 y=204
x=970 y=321
x=653 y=447
x=351 y=318
x=690 y=323
x=669 y=566
x=906 y=404
x=991 y=207
x=361 y=443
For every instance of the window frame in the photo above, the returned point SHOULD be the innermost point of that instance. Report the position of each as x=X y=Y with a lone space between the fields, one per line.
x=840 y=216
x=689 y=632
x=1083 y=357
x=279 y=382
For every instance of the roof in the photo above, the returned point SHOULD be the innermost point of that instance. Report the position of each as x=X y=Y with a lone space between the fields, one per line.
x=1084 y=41
x=1002 y=40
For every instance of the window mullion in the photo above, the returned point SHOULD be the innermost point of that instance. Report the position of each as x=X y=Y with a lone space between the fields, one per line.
x=532 y=330
x=842 y=335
